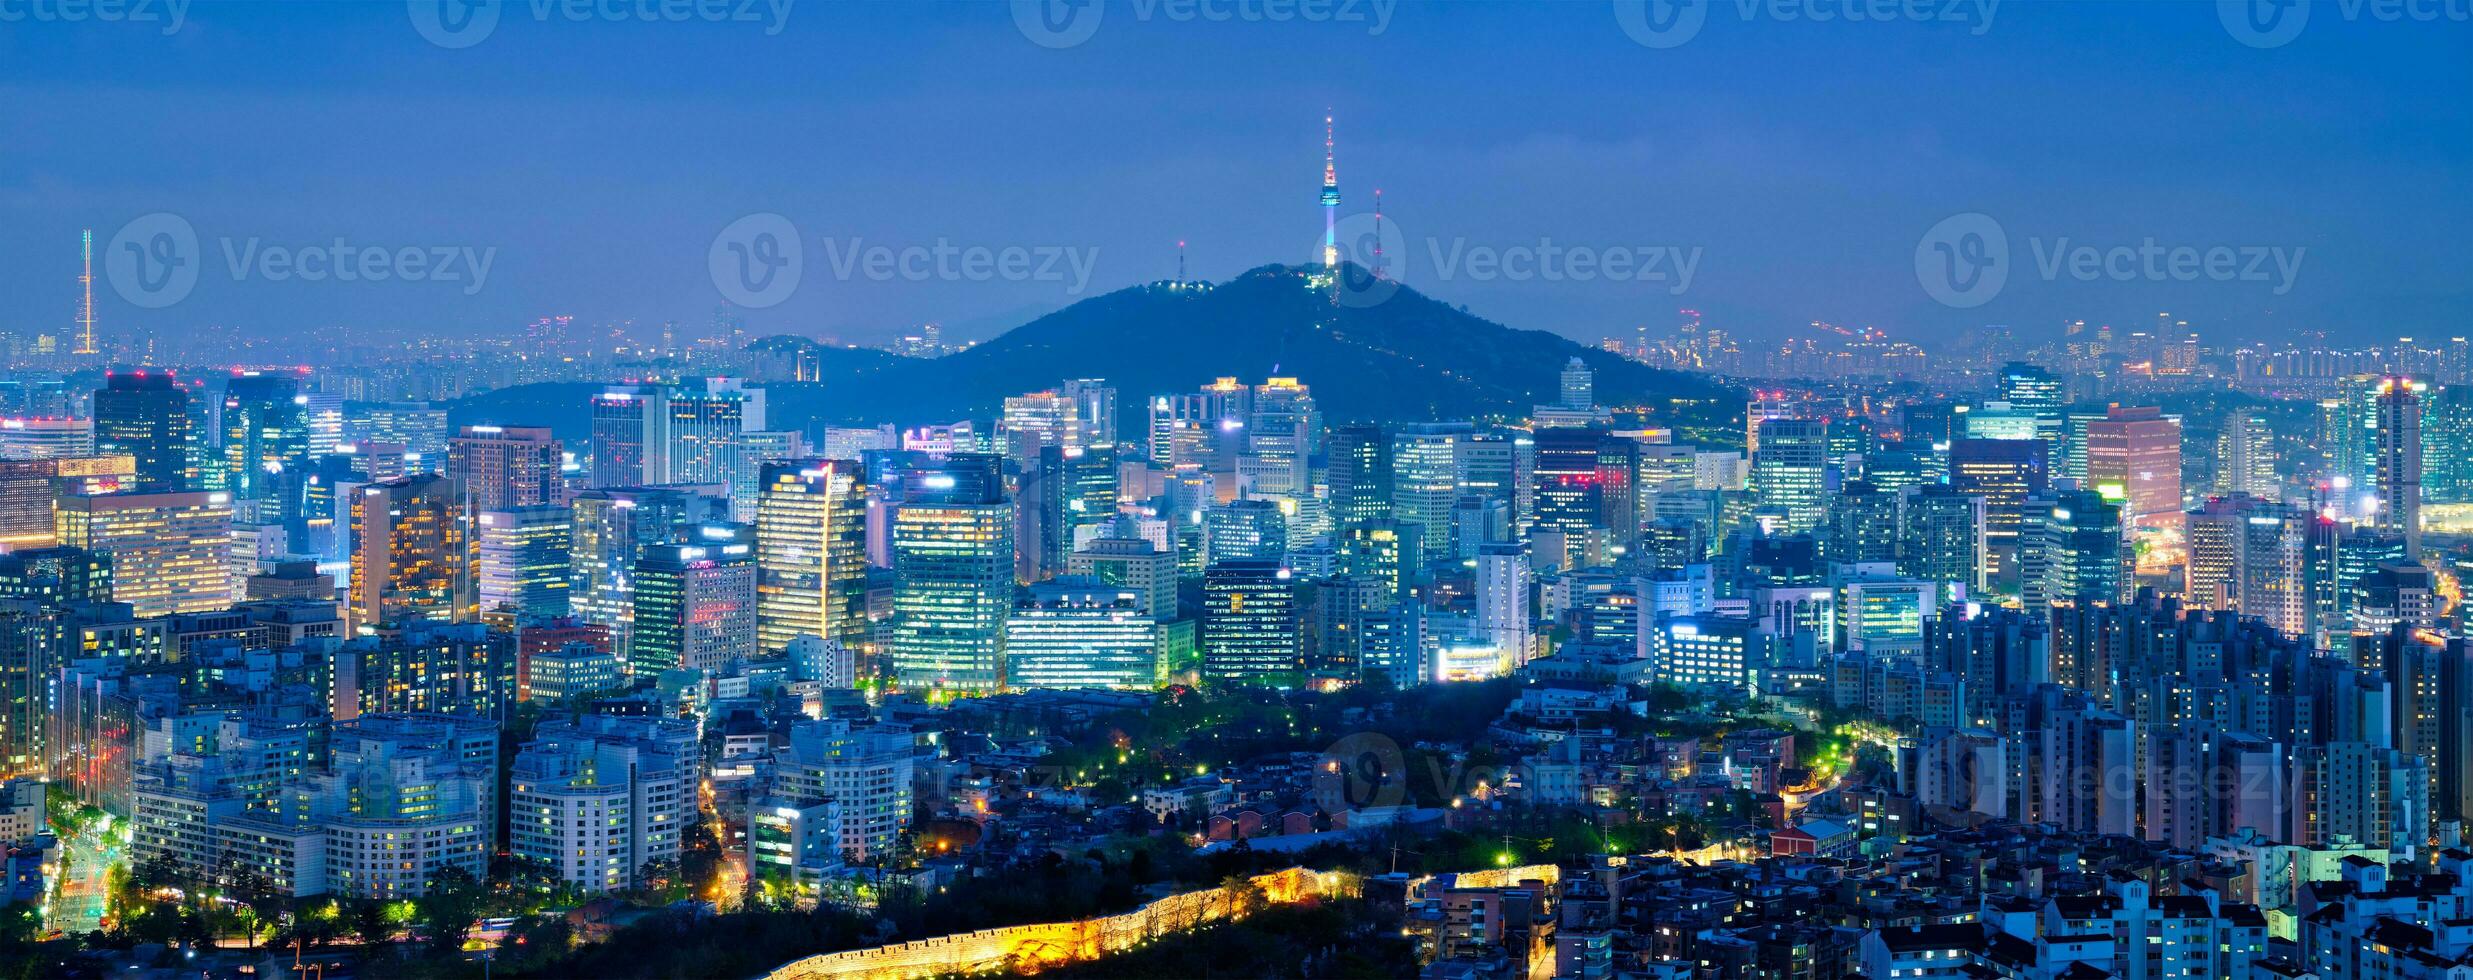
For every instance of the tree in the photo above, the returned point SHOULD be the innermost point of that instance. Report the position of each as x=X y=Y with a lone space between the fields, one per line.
x=445 y=913
x=369 y=922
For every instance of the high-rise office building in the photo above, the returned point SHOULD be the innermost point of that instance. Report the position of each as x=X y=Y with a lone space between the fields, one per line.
x=2134 y=456
x=1942 y=535
x=45 y=437
x=1504 y=611
x=953 y=577
x=1424 y=467
x=1252 y=630
x=266 y=443
x=2249 y=554
x=146 y=416
x=2245 y=459
x=811 y=553
x=1360 y=473
x=1862 y=524
x=1279 y=438
x=170 y=551
x=2004 y=472
x=1788 y=472
x=2071 y=551
x=1249 y=528
x=618 y=430
x=412 y=554
x=505 y=467
x=695 y=604
x=521 y=561
x=2446 y=429
x=1072 y=632
x=1134 y=564
x=1567 y=491
x=612 y=527
x=2396 y=473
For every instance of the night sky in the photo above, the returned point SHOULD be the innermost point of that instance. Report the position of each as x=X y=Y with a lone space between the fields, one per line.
x=1801 y=163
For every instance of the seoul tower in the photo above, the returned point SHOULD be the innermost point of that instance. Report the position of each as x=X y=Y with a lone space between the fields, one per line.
x=1330 y=197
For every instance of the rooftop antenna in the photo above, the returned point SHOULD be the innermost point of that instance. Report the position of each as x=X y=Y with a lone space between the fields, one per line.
x=1379 y=271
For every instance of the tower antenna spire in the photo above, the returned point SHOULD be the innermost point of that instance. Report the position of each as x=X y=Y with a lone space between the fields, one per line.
x=85 y=285
x=1330 y=195
x=1180 y=261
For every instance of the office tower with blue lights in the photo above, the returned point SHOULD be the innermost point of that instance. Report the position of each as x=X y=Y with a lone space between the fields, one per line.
x=811 y=553
x=146 y=416
x=695 y=603
x=952 y=540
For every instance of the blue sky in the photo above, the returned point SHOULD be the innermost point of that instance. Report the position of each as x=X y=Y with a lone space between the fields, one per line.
x=1799 y=163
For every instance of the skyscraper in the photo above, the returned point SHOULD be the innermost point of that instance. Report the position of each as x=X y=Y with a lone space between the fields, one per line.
x=1789 y=469
x=2004 y=472
x=953 y=577
x=2397 y=473
x=412 y=554
x=1252 y=630
x=811 y=553
x=695 y=603
x=2249 y=554
x=618 y=430
x=266 y=443
x=1360 y=473
x=2134 y=456
x=612 y=527
x=146 y=416
x=505 y=467
x=521 y=561
x=2245 y=459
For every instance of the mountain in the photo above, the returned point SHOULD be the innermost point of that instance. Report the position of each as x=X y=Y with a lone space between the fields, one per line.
x=1395 y=355
x=1380 y=351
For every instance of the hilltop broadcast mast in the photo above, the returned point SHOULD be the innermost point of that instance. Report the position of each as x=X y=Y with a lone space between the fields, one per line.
x=1330 y=197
